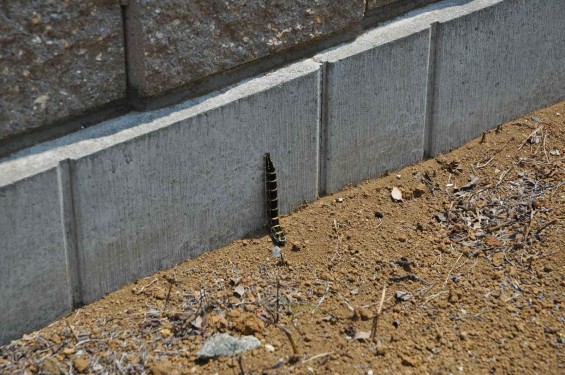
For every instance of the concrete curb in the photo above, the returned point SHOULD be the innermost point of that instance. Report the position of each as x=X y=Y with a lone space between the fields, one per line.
x=374 y=94
x=89 y=212
x=34 y=284
x=170 y=194
x=495 y=64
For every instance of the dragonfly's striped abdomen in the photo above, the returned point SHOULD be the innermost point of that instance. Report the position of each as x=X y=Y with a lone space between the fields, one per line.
x=275 y=229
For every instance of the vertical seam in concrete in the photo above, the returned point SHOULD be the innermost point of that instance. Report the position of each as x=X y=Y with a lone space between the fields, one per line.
x=65 y=172
x=323 y=130
x=430 y=91
x=123 y=9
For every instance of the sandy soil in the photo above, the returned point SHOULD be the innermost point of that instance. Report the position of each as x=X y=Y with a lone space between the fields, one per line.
x=465 y=274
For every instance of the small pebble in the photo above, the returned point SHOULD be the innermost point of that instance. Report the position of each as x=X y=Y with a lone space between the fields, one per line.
x=381 y=349
x=410 y=361
x=81 y=364
x=365 y=314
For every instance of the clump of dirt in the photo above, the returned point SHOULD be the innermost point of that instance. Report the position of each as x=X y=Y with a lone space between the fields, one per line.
x=454 y=265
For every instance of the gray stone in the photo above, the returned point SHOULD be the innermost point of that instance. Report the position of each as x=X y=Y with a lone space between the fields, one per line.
x=34 y=287
x=501 y=61
x=222 y=344
x=376 y=91
x=57 y=60
x=174 y=42
x=194 y=182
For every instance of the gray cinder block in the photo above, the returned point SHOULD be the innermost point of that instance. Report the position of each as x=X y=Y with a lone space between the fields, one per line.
x=34 y=282
x=172 y=43
x=194 y=181
x=58 y=60
x=375 y=104
x=499 y=62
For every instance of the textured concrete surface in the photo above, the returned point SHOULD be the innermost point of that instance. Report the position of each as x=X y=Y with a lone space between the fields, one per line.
x=495 y=64
x=148 y=190
x=196 y=183
x=175 y=42
x=58 y=59
x=376 y=90
x=34 y=287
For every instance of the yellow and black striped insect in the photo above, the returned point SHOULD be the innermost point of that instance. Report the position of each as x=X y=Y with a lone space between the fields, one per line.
x=275 y=229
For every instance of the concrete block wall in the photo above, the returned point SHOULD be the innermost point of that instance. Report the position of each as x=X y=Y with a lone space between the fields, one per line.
x=86 y=213
x=67 y=65
x=58 y=59
x=174 y=42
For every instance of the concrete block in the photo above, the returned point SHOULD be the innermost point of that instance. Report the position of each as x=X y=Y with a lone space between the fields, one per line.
x=58 y=60
x=172 y=43
x=375 y=104
x=34 y=286
x=193 y=180
x=502 y=60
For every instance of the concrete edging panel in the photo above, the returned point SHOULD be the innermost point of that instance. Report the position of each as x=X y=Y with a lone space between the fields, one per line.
x=434 y=79
x=375 y=93
x=195 y=184
x=497 y=63
x=34 y=279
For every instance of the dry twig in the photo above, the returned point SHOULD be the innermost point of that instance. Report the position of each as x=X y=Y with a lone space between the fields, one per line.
x=288 y=334
x=502 y=175
x=336 y=249
x=240 y=363
x=545 y=226
x=379 y=312
x=168 y=295
x=277 y=313
x=76 y=336
x=479 y=165
x=317 y=356
x=451 y=270
x=147 y=286
x=530 y=136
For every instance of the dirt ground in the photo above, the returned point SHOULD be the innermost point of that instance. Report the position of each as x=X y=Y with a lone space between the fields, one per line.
x=463 y=275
